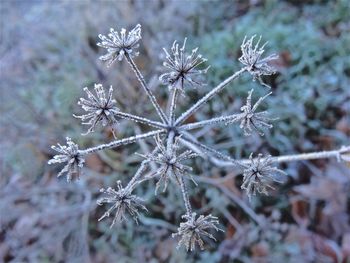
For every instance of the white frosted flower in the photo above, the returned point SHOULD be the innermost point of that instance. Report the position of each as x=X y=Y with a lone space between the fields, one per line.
x=100 y=108
x=120 y=44
x=70 y=155
x=193 y=230
x=259 y=175
x=170 y=163
x=251 y=57
x=250 y=119
x=182 y=67
x=122 y=201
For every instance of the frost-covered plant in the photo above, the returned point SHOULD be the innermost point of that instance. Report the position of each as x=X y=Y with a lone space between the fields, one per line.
x=171 y=133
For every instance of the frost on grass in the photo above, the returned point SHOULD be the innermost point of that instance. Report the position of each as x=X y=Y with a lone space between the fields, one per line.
x=70 y=155
x=101 y=109
x=259 y=175
x=119 y=44
x=192 y=231
x=122 y=202
x=182 y=67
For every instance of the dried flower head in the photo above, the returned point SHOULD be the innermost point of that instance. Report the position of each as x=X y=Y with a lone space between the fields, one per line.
x=182 y=67
x=251 y=57
x=118 y=45
x=123 y=201
x=68 y=154
x=250 y=119
x=259 y=175
x=170 y=162
x=100 y=108
x=192 y=230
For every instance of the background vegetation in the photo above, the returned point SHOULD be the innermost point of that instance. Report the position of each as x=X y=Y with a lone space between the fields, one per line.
x=48 y=54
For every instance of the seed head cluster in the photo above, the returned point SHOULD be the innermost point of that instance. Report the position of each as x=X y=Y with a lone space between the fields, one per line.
x=174 y=146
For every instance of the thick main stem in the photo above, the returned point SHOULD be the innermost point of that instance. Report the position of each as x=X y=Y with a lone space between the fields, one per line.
x=208 y=96
x=147 y=90
x=124 y=141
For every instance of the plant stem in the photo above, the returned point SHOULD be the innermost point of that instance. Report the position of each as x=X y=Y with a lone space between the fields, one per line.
x=208 y=96
x=137 y=175
x=206 y=149
x=212 y=121
x=184 y=191
x=185 y=196
x=139 y=119
x=145 y=87
x=174 y=96
x=124 y=141
x=294 y=157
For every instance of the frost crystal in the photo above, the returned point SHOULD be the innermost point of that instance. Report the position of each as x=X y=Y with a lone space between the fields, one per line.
x=251 y=57
x=118 y=45
x=250 y=119
x=68 y=154
x=99 y=108
x=192 y=230
x=170 y=163
x=259 y=175
x=123 y=201
x=182 y=67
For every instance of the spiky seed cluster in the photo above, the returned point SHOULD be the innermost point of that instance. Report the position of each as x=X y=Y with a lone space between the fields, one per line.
x=251 y=57
x=70 y=155
x=100 y=108
x=259 y=175
x=250 y=119
x=171 y=166
x=193 y=230
x=118 y=45
x=182 y=67
x=122 y=201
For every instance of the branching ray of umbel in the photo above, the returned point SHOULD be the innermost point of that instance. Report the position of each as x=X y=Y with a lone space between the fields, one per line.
x=184 y=70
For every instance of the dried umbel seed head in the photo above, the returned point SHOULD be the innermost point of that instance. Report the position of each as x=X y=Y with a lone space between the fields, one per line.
x=120 y=44
x=70 y=155
x=183 y=67
x=251 y=57
x=170 y=162
x=122 y=201
x=193 y=230
x=250 y=119
x=100 y=108
x=259 y=175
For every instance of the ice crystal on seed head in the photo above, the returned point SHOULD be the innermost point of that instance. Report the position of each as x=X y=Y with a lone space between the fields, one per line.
x=122 y=201
x=170 y=162
x=250 y=119
x=120 y=44
x=259 y=175
x=182 y=67
x=70 y=155
x=251 y=57
x=193 y=230
x=99 y=108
